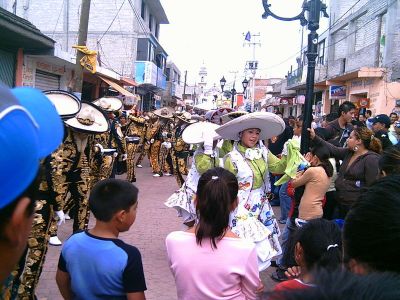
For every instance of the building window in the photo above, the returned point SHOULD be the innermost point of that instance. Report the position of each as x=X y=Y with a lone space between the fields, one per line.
x=143 y=10
x=321 y=52
x=168 y=70
x=151 y=54
x=151 y=23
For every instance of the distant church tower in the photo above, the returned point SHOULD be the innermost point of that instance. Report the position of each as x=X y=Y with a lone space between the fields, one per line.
x=203 y=78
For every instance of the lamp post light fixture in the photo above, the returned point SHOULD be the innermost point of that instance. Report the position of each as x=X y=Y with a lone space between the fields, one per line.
x=245 y=83
x=314 y=9
x=222 y=82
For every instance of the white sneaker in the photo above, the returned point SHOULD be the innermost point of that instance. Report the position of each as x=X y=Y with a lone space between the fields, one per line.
x=55 y=241
x=67 y=217
x=139 y=166
x=167 y=174
x=156 y=175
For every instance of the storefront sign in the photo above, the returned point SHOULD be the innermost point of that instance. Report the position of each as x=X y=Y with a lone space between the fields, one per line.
x=300 y=99
x=337 y=92
x=60 y=70
x=362 y=82
x=363 y=102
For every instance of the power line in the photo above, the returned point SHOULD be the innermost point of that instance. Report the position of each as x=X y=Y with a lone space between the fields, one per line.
x=112 y=21
x=139 y=18
x=59 y=15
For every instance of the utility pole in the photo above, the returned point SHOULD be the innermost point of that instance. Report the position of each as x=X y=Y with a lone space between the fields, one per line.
x=252 y=65
x=233 y=90
x=184 y=87
x=82 y=38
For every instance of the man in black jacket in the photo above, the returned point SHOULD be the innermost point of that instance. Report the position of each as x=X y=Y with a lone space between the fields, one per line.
x=339 y=129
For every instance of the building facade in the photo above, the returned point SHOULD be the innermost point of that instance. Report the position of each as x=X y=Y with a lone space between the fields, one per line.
x=358 y=58
x=124 y=34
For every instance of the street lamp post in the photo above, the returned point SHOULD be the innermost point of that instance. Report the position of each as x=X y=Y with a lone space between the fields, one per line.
x=233 y=93
x=222 y=82
x=245 y=83
x=314 y=9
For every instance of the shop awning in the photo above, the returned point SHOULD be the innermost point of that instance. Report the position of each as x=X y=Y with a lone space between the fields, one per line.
x=128 y=81
x=117 y=87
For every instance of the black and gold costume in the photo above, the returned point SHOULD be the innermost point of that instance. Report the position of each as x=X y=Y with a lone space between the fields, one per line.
x=180 y=154
x=135 y=132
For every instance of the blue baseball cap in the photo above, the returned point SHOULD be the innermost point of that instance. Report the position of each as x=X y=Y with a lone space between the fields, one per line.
x=30 y=129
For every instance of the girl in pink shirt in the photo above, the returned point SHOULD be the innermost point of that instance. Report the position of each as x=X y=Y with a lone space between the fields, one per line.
x=208 y=261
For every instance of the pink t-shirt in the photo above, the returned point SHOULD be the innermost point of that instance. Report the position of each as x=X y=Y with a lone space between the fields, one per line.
x=228 y=272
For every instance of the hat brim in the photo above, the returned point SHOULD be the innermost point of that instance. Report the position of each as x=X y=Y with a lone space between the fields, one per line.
x=67 y=104
x=158 y=113
x=51 y=129
x=100 y=124
x=115 y=104
x=269 y=124
x=194 y=133
x=232 y=115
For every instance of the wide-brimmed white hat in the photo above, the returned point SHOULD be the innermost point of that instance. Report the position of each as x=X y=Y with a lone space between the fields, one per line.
x=90 y=119
x=214 y=116
x=194 y=133
x=185 y=117
x=165 y=112
x=67 y=104
x=269 y=124
x=232 y=115
x=109 y=104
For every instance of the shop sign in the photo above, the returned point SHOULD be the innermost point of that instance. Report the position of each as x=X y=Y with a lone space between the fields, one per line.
x=60 y=70
x=363 y=102
x=300 y=99
x=362 y=82
x=337 y=92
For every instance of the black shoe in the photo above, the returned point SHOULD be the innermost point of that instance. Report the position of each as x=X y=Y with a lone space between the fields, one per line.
x=279 y=275
x=134 y=179
x=274 y=264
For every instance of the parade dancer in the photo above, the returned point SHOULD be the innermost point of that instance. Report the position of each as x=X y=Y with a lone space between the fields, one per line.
x=106 y=143
x=145 y=146
x=75 y=156
x=133 y=135
x=205 y=158
x=162 y=142
x=251 y=162
x=180 y=150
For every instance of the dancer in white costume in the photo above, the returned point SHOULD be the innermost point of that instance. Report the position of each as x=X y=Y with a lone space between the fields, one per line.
x=251 y=162
x=204 y=158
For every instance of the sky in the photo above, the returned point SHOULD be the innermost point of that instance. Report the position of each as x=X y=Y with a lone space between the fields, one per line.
x=212 y=31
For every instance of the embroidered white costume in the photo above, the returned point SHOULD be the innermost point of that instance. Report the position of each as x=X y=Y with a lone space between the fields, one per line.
x=254 y=219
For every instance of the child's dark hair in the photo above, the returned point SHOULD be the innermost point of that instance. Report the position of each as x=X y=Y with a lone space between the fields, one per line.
x=322 y=244
x=30 y=192
x=371 y=233
x=322 y=152
x=390 y=160
x=216 y=194
x=110 y=196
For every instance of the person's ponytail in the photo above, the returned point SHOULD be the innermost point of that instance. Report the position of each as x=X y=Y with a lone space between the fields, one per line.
x=216 y=194
x=375 y=145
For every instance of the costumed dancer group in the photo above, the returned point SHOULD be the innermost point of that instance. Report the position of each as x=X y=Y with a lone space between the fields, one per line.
x=100 y=141
x=238 y=146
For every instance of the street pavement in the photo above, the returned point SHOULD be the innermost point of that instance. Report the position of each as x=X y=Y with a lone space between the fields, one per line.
x=153 y=223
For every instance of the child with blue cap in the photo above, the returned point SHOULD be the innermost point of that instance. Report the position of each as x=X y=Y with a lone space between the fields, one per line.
x=30 y=129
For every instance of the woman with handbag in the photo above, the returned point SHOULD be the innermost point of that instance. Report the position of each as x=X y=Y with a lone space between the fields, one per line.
x=251 y=162
x=204 y=158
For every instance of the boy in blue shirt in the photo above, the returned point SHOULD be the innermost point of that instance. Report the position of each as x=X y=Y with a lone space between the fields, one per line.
x=95 y=264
